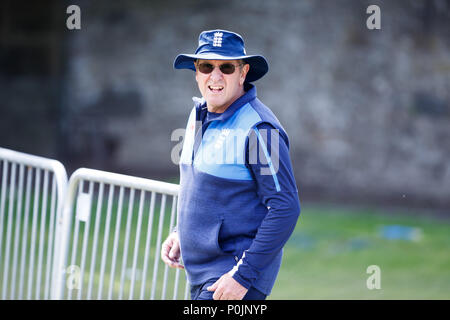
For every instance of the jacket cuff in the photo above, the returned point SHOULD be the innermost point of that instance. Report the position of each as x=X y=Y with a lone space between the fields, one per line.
x=242 y=281
x=244 y=273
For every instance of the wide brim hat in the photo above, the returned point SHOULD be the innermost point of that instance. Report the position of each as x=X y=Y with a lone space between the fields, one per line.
x=223 y=45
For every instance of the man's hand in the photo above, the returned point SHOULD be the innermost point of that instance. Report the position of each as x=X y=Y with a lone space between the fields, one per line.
x=170 y=251
x=226 y=288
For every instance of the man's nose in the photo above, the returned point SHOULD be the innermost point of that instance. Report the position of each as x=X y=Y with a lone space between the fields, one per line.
x=216 y=74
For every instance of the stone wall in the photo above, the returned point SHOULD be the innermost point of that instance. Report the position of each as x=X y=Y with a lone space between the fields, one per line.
x=367 y=111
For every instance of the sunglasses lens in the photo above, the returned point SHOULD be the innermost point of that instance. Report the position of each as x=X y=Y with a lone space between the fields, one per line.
x=205 y=68
x=227 y=68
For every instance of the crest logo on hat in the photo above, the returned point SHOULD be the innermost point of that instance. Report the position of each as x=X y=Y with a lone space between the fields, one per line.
x=217 y=41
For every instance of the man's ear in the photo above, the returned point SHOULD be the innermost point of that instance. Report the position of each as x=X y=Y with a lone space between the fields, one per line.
x=244 y=72
x=195 y=72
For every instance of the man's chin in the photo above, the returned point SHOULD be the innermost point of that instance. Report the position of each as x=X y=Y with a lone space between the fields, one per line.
x=214 y=105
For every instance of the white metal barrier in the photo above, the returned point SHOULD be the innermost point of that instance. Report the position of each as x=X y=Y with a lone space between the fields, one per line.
x=31 y=196
x=110 y=241
x=90 y=245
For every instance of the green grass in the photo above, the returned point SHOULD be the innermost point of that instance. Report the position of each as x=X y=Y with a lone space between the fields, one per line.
x=331 y=248
x=325 y=258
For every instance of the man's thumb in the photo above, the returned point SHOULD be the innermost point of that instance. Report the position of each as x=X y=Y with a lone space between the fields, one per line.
x=214 y=286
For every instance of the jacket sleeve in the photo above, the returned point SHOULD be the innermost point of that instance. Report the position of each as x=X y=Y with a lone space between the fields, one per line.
x=267 y=157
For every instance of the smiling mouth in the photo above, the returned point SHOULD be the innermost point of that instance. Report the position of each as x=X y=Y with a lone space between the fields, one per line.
x=215 y=88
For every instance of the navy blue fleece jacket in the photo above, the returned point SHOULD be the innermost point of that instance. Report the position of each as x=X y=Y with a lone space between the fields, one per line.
x=238 y=201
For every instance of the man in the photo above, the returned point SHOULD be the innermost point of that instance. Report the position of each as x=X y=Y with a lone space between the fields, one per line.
x=238 y=201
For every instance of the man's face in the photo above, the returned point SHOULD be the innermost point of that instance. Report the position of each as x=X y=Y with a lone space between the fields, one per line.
x=220 y=90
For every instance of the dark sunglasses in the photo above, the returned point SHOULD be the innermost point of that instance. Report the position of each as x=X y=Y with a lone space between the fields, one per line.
x=226 y=68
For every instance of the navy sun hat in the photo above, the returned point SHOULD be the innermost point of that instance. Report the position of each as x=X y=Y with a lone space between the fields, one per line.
x=223 y=45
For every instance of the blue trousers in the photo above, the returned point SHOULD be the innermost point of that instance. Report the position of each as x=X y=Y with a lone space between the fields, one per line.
x=199 y=292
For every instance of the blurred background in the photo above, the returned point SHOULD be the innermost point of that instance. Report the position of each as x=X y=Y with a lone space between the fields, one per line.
x=367 y=113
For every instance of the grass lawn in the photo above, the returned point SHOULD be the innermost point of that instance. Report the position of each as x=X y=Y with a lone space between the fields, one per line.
x=331 y=248
x=326 y=257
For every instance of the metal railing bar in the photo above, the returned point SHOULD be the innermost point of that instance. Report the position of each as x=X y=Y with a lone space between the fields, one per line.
x=148 y=244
